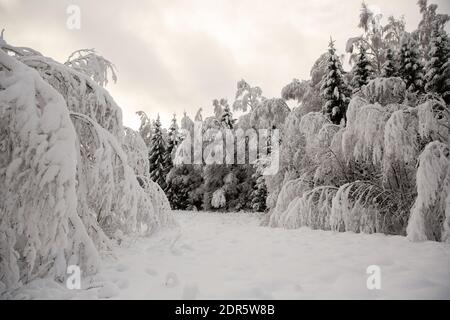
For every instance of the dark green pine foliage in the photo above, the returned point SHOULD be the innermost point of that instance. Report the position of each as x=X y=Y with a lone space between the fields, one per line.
x=362 y=71
x=410 y=67
x=389 y=70
x=438 y=67
x=259 y=194
x=227 y=118
x=172 y=143
x=156 y=156
x=334 y=88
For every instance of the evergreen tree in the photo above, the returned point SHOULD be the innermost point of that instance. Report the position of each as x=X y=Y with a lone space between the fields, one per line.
x=410 y=68
x=227 y=117
x=156 y=156
x=389 y=69
x=438 y=66
x=259 y=194
x=362 y=70
x=334 y=88
x=172 y=143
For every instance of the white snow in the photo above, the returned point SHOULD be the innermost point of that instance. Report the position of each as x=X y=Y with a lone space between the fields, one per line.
x=230 y=256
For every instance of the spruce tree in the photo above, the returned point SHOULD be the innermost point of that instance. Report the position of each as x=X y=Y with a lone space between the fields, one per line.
x=172 y=143
x=334 y=88
x=259 y=194
x=389 y=69
x=227 y=117
x=438 y=67
x=156 y=156
x=362 y=70
x=410 y=68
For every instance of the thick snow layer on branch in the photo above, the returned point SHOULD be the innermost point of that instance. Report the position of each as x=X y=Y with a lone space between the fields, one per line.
x=384 y=91
x=434 y=120
x=364 y=136
x=430 y=215
x=81 y=93
x=40 y=229
x=289 y=192
x=400 y=137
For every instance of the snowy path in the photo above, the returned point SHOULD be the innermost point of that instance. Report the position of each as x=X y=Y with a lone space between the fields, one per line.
x=229 y=256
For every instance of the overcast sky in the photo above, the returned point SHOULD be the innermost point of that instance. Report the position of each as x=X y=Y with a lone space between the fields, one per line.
x=179 y=55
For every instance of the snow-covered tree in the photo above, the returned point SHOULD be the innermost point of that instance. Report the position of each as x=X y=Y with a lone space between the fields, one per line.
x=410 y=66
x=223 y=113
x=156 y=156
x=389 y=67
x=227 y=120
x=145 y=128
x=376 y=38
x=259 y=194
x=429 y=22
x=438 y=67
x=362 y=70
x=334 y=88
x=172 y=143
x=95 y=66
x=67 y=189
x=295 y=90
x=247 y=97
x=430 y=214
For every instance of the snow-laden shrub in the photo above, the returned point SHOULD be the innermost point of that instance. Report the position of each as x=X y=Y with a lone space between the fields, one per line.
x=310 y=126
x=218 y=199
x=40 y=229
x=354 y=208
x=327 y=159
x=312 y=209
x=384 y=91
x=136 y=151
x=289 y=192
x=430 y=215
x=363 y=138
x=401 y=137
x=434 y=120
x=67 y=186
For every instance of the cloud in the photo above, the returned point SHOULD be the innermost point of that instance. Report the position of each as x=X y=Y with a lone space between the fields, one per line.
x=178 y=55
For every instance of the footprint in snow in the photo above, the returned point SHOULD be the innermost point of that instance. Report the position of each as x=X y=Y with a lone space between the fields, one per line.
x=171 y=280
x=190 y=292
x=121 y=283
x=151 y=272
x=108 y=290
x=121 y=268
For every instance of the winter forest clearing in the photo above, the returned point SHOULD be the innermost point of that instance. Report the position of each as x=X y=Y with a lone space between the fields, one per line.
x=230 y=256
x=336 y=187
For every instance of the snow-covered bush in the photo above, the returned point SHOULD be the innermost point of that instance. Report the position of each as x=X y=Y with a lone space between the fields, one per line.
x=40 y=229
x=384 y=91
x=434 y=120
x=67 y=186
x=312 y=209
x=218 y=199
x=430 y=215
x=289 y=192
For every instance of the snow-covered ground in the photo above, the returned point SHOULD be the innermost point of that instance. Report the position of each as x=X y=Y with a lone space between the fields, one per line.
x=230 y=256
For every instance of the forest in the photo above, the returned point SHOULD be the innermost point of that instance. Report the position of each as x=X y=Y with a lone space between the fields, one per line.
x=365 y=150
